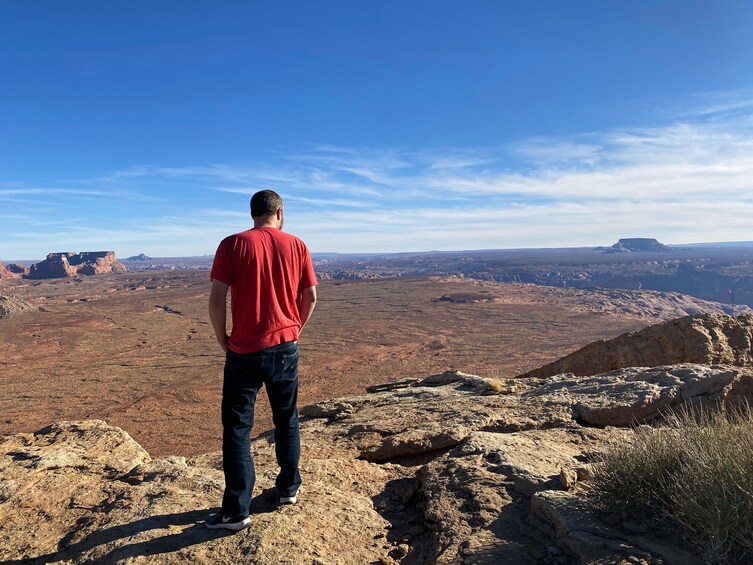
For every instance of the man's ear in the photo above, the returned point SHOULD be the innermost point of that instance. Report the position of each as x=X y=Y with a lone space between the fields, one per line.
x=279 y=213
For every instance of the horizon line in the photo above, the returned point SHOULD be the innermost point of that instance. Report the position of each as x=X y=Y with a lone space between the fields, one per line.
x=744 y=243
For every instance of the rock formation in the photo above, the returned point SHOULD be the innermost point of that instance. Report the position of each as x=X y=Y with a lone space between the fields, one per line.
x=17 y=269
x=11 y=305
x=11 y=271
x=638 y=244
x=453 y=468
x=700 y=338
x=139 y=257
x=68 y=264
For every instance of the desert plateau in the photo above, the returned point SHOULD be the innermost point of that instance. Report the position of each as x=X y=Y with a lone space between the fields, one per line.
x=376 y=283
x=136 y=349
x=444 y=419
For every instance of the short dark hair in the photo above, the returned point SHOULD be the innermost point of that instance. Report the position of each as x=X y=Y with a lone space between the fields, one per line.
x=265 y=202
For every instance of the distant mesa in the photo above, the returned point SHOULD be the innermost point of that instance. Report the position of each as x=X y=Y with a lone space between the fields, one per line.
x=69 y=264
x=5 y=272
x=17 y=269
x=638 y=244
x=140 y=257
x=12 y=270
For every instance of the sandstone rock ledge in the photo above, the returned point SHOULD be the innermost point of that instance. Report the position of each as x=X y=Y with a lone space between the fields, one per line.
x=449 y=469
x=700 y=338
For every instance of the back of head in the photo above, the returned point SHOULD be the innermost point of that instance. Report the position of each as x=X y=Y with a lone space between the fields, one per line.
x=265 y=202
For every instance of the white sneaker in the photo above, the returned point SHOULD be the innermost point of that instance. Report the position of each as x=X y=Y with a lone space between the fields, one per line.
x=288 y=500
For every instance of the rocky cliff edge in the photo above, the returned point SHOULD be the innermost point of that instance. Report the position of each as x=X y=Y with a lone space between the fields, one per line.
x=453 y=468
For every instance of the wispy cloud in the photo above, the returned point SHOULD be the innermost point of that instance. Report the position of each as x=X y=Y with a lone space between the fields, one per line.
x=15 y=192
x=689 y=179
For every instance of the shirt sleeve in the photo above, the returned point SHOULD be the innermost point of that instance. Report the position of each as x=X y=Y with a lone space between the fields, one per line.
x=222 y=268
x=308 y=277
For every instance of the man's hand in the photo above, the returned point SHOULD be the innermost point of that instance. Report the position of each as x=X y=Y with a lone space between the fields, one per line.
x=218 y=312
x=223 y=340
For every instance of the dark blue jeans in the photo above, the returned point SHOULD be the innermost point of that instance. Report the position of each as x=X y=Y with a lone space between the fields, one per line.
x=276 y=368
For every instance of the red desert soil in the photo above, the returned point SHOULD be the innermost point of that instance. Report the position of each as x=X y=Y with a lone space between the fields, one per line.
x=137 y=350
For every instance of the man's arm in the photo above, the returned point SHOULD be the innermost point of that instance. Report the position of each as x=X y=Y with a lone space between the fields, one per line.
x=218 y=312
x=308 y=303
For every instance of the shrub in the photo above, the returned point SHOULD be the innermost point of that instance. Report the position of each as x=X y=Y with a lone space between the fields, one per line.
x=695 y=471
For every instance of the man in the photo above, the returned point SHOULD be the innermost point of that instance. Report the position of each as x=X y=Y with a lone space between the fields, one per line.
x=272 y=295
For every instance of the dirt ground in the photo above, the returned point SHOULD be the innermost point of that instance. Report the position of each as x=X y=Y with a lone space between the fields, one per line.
x=137 y=349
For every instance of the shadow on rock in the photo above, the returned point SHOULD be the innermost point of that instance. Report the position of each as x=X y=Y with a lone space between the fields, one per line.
x=195 y=533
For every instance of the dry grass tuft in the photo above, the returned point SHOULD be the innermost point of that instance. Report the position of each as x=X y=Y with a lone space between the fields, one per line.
x=695 y=471
x=504 y=386
x=496 y=385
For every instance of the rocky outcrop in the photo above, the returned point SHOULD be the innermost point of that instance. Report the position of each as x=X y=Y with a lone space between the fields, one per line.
x=17 y=269
x=700 y=338
x=578 y=533
x=6 y=273
x=85 y=492
x=453 y=468
x=68 y=264
x=639 y=395
x=139 y=257
x=639 y=244
x=11 y=306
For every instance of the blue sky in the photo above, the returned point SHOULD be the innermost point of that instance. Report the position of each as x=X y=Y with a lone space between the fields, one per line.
x=385 y=125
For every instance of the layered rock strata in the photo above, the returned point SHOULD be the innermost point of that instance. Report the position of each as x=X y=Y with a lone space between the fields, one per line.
x=69 y=264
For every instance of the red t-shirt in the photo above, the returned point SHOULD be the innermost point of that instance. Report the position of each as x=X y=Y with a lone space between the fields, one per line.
x=266 y=270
